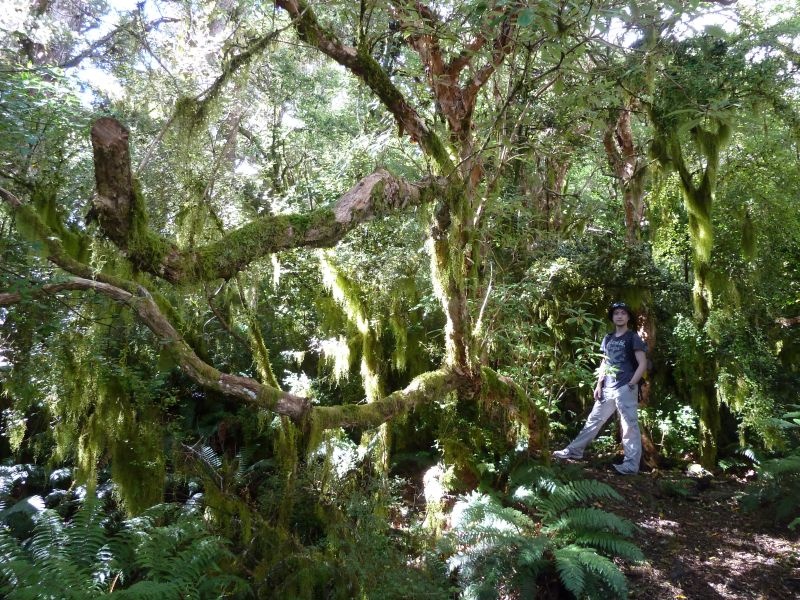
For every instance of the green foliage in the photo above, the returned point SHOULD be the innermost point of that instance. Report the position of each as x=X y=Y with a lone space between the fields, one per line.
x=778 y=486
x=673 y=426
x=164 y=553
x=227 y=126
x=545 y=530
x=105 y=396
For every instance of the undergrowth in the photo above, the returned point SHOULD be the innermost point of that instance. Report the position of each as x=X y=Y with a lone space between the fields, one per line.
x=165 y=553
x=543 y=537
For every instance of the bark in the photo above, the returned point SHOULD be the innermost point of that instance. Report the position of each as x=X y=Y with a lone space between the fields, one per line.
x=646 y=328
x=629 y=169
x=119 y=211
x=788 y=322
x=114 y=198
x=456 y=101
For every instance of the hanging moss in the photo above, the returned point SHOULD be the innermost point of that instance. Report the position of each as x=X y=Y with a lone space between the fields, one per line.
x=146 y=249
x=63 y=245
x=522 y=414
x=75 y=243
x=286 y=448
x=348 y=295
x=138 y=464
x=102 y=413
x=399 y=328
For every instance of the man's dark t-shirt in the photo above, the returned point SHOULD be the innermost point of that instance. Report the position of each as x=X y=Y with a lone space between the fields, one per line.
x=620 y=362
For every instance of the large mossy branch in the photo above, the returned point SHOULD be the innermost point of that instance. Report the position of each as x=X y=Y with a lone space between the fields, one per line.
x=424 y=388
x=120 y=211
x=147 y=311
x=362 y=65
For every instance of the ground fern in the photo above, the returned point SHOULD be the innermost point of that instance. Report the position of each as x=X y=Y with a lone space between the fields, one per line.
x=778 y=487
x=517 y=544
x=165 y=553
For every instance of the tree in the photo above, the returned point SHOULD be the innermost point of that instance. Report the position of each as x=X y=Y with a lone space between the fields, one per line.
x=446 y=98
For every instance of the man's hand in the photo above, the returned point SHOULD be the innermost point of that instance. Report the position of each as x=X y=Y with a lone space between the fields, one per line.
x=598 y=393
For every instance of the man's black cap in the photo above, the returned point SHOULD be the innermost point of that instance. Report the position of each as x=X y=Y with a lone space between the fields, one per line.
x=624 y=307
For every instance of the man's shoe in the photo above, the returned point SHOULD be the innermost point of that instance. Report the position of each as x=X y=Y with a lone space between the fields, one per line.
x=623 y=471
x=565 y=454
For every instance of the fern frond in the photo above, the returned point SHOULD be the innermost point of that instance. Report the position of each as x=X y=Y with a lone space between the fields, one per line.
x=573 y=493
x=85 y=535
x=14 y=564
x=47 y=540
x=570 y=569
x=575 y=565
x=531 y=552
x=590 y=519
x=608 y=573
x=788 y=466
x=480 y=510
x=151 y=590
x=610 y=544
x=210 y=457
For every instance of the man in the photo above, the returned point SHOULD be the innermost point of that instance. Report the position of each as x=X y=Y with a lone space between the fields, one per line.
x=623 y=365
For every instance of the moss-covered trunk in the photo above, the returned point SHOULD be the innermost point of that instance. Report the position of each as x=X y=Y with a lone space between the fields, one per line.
x=698 y=200
x=449 y=235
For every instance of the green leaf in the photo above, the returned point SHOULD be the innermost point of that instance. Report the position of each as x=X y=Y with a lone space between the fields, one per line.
x=526 y=17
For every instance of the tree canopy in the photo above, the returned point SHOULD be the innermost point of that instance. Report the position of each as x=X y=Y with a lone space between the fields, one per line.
x=236 y=232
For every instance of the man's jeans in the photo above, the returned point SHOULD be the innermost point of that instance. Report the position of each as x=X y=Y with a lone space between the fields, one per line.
x=624 y=400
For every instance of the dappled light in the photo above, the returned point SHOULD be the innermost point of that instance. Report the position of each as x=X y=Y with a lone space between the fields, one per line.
x=390 y=299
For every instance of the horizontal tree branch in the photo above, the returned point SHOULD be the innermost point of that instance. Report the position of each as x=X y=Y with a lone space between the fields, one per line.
x=424 y=388
x=788 y=321
x=119 y=209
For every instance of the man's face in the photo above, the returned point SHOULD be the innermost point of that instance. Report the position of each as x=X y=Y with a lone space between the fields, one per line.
x=620 y=316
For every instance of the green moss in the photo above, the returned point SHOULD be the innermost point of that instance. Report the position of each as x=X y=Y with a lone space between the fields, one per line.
x=286 y=448
x=497 y=390
x=424 y=388
x=146 y=249
x=268 y=397
x=261 y=354
x=235 y=250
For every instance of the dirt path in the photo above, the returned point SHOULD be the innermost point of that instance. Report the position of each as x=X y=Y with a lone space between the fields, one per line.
x=698 y=541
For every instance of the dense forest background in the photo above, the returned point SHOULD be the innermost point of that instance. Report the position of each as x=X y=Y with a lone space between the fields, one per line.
x=285 y=287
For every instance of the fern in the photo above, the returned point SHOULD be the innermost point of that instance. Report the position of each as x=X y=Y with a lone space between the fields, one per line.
x=163 y=554
x=589 y=519
x=541 y=531
x=779 y=488
x=585 y=573
x=610 y=544
x=558 y=497
x=571 y=570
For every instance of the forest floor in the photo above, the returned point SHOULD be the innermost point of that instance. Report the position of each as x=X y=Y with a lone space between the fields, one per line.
x=698 y=541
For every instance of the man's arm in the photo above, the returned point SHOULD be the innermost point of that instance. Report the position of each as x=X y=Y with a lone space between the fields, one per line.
x=637 y=375
x=601 y=375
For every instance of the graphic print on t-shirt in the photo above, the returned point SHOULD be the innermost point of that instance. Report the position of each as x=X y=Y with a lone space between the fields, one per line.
x=619 y=367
